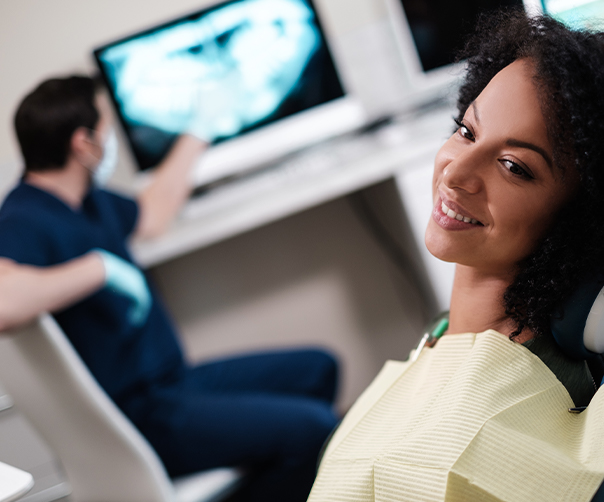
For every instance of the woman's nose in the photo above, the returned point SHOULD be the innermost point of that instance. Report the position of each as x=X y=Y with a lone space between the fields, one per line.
x=463 y=172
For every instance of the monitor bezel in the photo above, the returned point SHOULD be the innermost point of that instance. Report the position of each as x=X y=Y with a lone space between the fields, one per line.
x=423 y=85
x=533 y=7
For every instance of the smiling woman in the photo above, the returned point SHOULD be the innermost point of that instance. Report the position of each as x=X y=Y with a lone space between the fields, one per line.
x=483 y=414
x=496 y=194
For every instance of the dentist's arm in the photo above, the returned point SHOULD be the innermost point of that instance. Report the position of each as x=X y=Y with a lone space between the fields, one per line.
x=215 y=115
x=27 y=291
x=162 y=199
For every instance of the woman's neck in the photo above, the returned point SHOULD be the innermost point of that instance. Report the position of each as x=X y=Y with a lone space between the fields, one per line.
x=477 y=303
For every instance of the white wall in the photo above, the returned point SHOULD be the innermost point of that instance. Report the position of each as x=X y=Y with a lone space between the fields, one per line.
x=316 y=278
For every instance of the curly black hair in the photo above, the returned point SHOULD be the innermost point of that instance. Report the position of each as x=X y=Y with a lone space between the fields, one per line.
x=569 y=75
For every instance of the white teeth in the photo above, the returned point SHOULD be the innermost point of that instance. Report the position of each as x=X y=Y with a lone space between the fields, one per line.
x=452 y=214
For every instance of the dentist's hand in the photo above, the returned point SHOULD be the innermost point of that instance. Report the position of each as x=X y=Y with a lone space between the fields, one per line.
x=216 y=110
x=127 y=280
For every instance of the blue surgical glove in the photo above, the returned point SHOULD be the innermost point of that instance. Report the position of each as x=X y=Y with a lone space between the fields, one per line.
x=127 y=280
x=219 y=108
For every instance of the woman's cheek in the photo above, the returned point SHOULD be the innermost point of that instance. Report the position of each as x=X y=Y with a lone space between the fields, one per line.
x=439 y=163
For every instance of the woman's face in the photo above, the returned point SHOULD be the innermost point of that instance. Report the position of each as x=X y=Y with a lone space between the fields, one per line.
x=495 y=188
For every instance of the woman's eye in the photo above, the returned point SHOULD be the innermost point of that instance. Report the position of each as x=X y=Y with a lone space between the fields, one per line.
x=516 y=169
x=464 y=130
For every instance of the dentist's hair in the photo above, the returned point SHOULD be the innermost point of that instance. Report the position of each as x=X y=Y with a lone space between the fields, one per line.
x=49 y=115
x=569 y=75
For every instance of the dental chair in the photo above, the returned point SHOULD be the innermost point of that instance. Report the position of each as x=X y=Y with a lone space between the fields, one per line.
x=580 y=332
x=105 y=458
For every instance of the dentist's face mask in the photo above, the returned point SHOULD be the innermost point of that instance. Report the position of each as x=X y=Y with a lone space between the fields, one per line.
x=108 y=162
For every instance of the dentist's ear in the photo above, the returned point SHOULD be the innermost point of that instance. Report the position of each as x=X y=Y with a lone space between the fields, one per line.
x=83 y=147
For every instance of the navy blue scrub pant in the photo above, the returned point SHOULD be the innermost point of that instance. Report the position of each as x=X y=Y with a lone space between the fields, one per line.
x=270 y=412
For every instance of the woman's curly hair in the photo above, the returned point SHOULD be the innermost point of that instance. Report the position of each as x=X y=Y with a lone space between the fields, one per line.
x=569 y=75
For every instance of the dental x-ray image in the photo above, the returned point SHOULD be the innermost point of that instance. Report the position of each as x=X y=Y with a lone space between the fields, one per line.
x=218 y=73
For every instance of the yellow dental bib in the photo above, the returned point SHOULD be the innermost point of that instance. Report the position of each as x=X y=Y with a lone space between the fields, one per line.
x=476 y=418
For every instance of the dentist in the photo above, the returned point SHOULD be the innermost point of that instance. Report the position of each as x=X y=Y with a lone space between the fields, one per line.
x=270 y=412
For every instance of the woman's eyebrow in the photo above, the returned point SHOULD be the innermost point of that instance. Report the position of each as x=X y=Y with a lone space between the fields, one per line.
x=475 y=110
x=516 y=142
x=531 y=146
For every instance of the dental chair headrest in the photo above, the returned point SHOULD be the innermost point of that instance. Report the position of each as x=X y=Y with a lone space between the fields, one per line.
x=580 y=330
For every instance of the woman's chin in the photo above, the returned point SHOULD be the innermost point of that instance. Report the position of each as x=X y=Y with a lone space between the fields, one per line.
x=439 y=245
x=440 y=250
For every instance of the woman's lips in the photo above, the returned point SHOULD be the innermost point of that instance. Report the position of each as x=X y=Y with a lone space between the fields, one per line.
x=451 y=219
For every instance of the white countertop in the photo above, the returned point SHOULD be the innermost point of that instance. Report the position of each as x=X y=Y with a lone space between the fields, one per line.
x=13 y=482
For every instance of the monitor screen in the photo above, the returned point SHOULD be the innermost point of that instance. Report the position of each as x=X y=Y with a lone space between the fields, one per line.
x=441 y=27
x=221 y=73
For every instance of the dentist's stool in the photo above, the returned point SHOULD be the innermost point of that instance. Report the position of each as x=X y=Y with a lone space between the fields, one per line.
x=105 y=457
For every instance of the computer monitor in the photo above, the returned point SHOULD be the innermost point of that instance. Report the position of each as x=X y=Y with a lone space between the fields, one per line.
x=255 y=75
x=574 y=13
x=430 y=33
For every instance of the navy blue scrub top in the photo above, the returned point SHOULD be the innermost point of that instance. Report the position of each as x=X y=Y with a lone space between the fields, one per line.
x=37 y=228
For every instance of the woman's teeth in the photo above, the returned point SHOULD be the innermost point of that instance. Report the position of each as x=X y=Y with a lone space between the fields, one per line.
x=452 y=214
